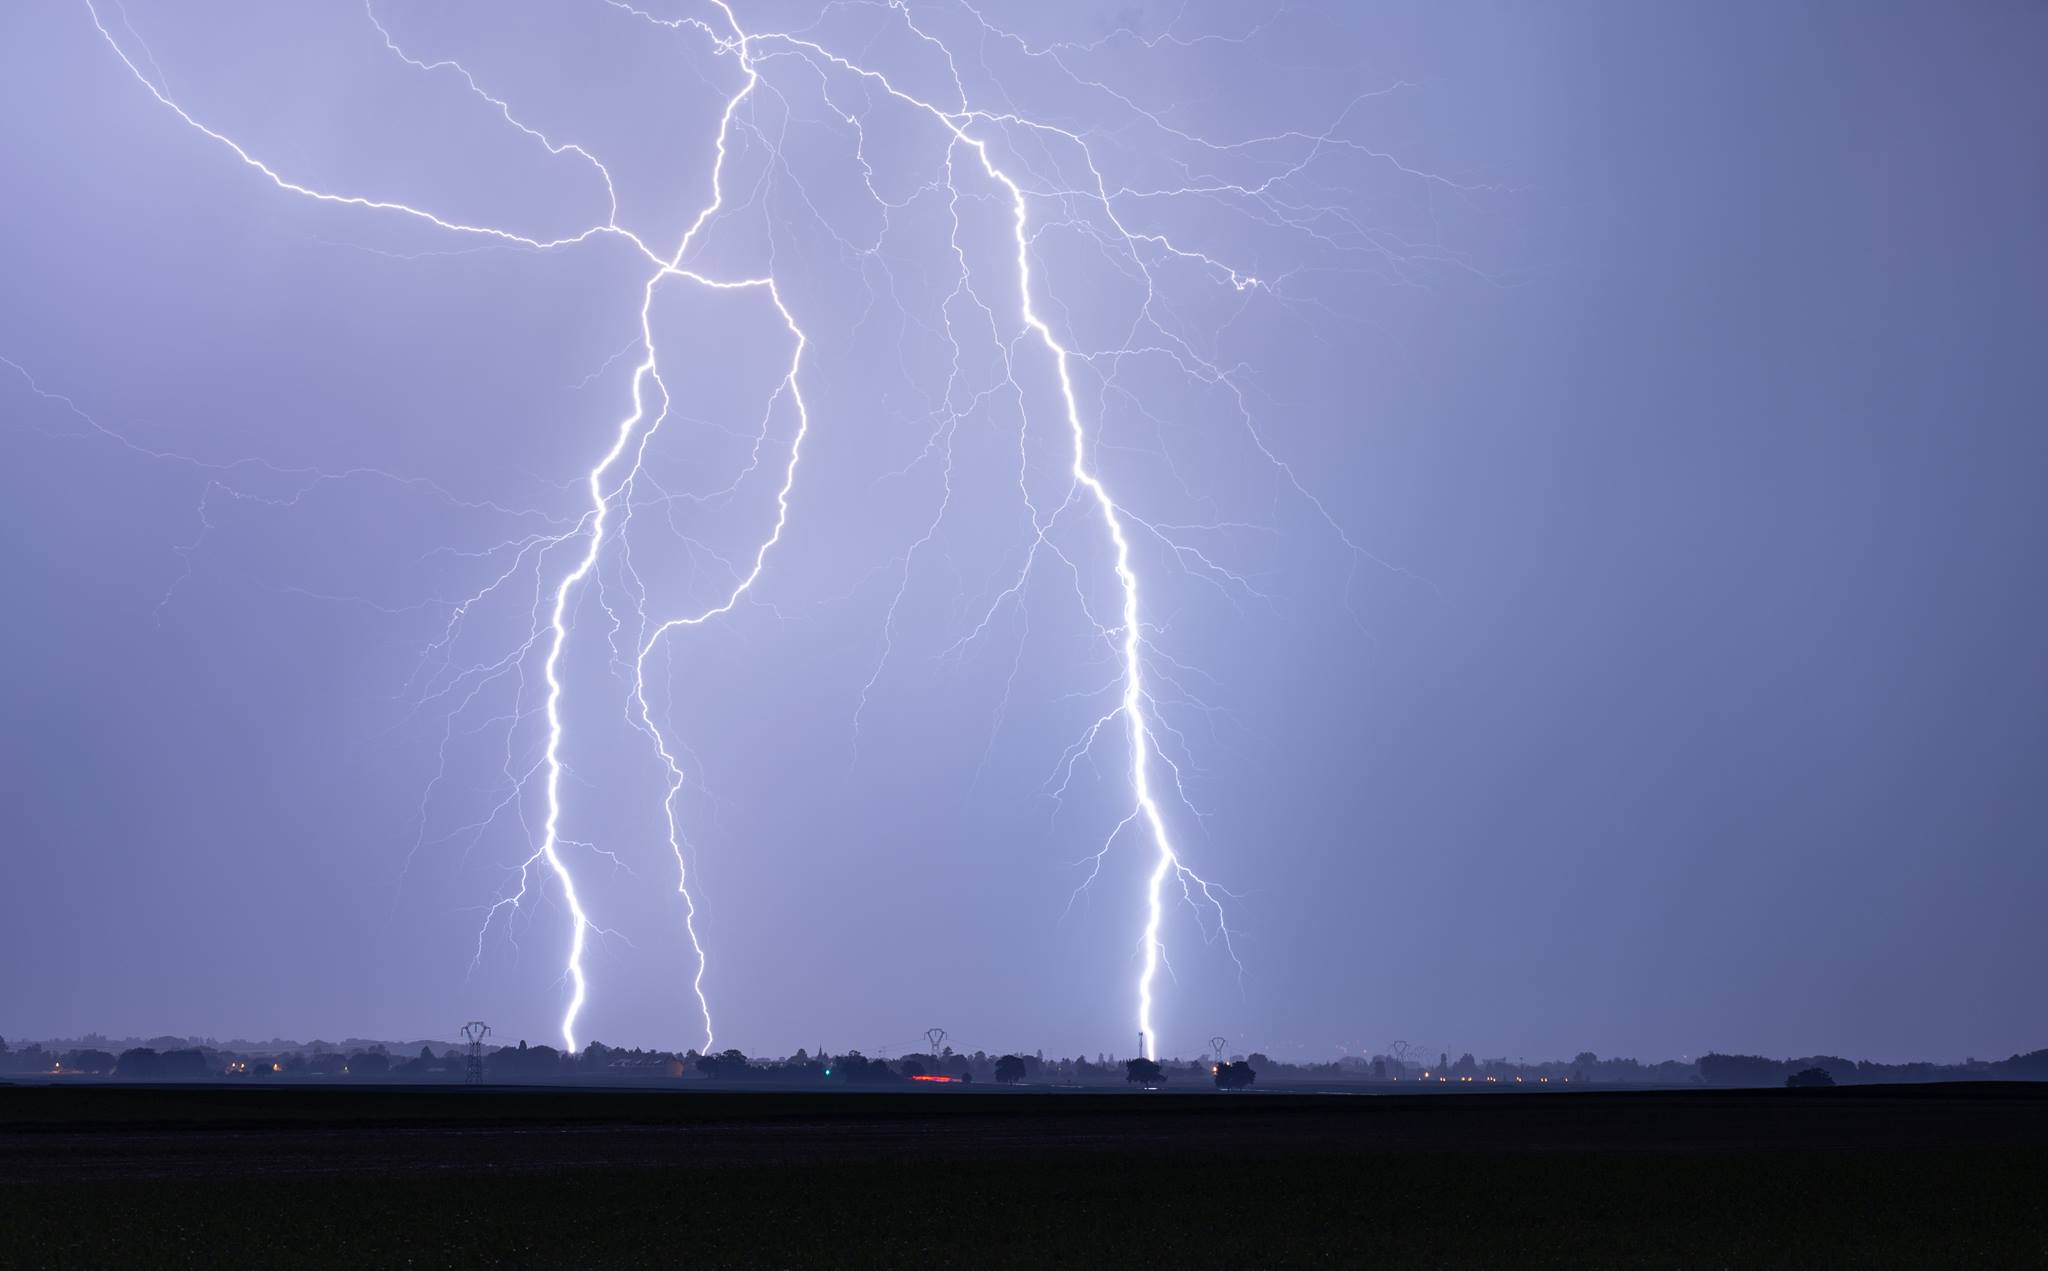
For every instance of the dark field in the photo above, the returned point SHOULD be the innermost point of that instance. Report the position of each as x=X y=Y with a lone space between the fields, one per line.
x=1909 y=1176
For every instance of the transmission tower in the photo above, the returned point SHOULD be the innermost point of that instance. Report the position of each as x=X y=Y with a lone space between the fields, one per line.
x=1216 y=1045
x=933 y=1037
x=474 y=1033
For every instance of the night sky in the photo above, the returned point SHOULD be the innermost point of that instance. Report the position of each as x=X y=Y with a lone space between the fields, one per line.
x=1589 y=580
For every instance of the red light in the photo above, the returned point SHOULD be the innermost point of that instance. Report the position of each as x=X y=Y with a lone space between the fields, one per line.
x=934 y=1077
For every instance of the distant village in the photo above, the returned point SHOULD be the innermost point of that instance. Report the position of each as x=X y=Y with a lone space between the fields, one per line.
x=204 y=1059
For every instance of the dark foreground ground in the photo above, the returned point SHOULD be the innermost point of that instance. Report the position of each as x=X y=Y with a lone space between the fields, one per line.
x=1908 y=1176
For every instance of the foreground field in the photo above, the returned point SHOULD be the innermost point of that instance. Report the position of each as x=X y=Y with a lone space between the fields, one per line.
x=305 y=1176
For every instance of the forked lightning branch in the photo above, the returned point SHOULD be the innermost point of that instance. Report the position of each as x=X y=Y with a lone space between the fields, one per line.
x=980 y=168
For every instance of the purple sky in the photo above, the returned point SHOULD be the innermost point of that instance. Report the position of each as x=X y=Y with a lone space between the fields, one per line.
x=1588 y=582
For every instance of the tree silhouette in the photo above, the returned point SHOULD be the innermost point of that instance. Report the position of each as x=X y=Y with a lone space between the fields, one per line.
x=733 y=1063
x=1144 y=1072
x=1010 y=1069
x=1235 y=1076
x=1809 y=1079
x=859 y=1069
x=147 y=1064
x=1740 y=1070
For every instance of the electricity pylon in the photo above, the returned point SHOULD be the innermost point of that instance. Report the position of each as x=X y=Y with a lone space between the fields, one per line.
x=474 y=1033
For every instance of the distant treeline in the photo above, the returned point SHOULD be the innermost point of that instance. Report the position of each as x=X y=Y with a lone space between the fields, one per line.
x=524 y=1063
x=177 y=1059
x=1755 y=1070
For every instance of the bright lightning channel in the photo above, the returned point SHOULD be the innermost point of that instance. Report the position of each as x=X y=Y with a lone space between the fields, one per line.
x=611 y=480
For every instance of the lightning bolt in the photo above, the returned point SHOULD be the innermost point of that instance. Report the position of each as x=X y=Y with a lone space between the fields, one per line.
x=996 y=143
x=1134 y=701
